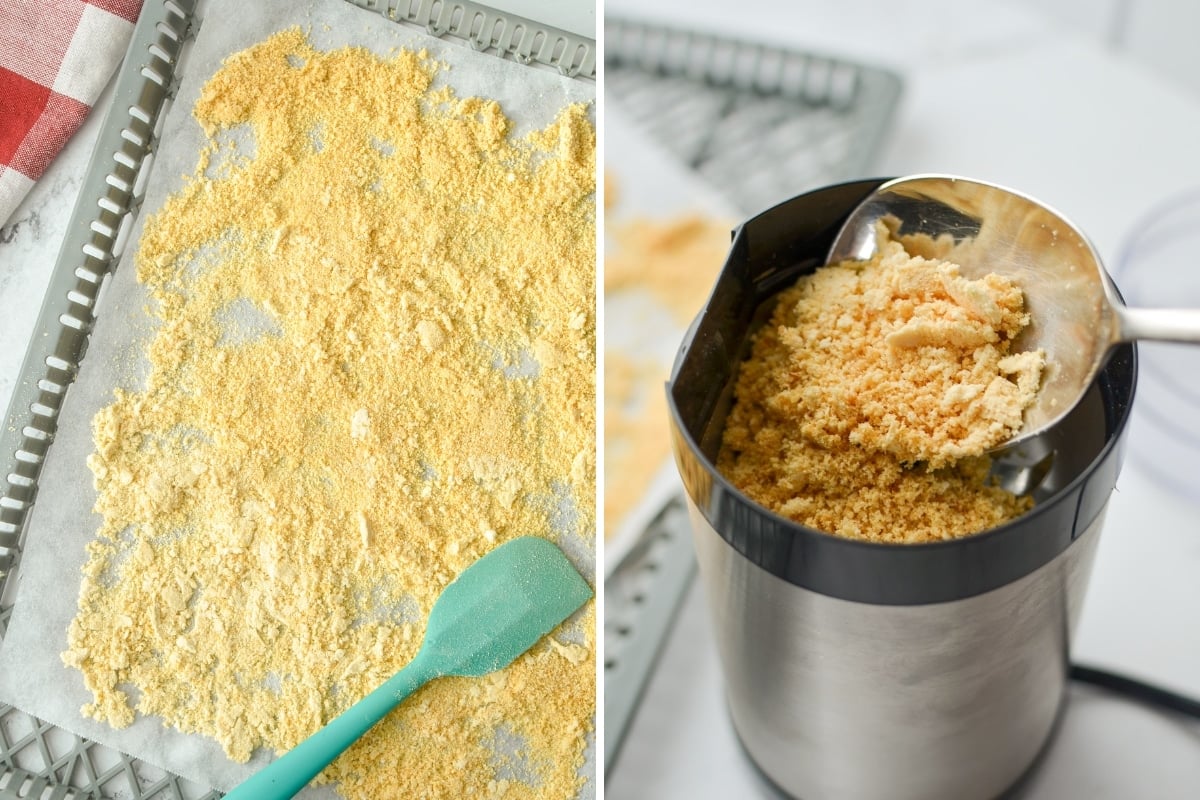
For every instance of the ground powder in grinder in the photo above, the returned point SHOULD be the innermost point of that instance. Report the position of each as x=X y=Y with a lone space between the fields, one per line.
x=871 y=396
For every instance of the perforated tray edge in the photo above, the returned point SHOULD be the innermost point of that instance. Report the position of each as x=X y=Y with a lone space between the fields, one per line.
x=868 y=100
x=112 y=188
x=490 y=31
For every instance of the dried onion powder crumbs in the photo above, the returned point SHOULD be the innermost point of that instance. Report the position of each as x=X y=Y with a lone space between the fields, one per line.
x=374 y=362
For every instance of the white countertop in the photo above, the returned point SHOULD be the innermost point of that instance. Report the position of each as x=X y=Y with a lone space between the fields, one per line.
x=998 y=92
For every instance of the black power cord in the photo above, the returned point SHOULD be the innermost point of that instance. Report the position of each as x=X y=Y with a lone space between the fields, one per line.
x=1136 y=690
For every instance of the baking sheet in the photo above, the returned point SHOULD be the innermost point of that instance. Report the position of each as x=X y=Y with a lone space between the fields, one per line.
x=649 y=183
x=32 y=676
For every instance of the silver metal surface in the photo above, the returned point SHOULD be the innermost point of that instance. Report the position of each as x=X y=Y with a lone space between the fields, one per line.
x=836 y=700
x=1077 y=315
x=1023 y=468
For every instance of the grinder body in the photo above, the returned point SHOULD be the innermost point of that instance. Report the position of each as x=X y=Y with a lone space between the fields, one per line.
x=857 y=670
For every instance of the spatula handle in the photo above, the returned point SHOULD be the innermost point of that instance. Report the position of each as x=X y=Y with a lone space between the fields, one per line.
x=291 y=772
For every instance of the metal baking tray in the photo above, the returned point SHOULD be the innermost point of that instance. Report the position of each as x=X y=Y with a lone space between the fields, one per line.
x=760 y=124
x=38 y=760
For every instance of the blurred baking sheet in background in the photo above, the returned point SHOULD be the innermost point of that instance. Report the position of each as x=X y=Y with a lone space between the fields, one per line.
x=35 y=754
x=759 y=123
x=701 y=131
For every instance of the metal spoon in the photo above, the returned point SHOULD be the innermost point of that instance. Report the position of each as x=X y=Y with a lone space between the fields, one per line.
x=1077 y=316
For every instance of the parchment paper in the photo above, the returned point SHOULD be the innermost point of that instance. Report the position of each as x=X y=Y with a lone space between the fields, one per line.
x=32 y=676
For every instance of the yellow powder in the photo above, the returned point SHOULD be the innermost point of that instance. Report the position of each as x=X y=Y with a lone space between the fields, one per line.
x=872 y=394
x=375 y=361
x=636 y=440
x=677 y=260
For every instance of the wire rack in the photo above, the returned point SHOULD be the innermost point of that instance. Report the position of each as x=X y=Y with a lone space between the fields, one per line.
x=760 y=124
x=38 y=760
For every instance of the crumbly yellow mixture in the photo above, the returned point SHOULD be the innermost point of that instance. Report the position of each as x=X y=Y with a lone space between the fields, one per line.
x=636 y=442
x=677 y=260
x=375 y=362
x=871 y=396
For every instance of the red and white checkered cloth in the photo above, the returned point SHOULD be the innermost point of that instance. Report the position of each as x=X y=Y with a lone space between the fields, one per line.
x=55 y=57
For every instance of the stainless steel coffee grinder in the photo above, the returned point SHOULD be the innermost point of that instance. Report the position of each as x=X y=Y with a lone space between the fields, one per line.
x=855 y=670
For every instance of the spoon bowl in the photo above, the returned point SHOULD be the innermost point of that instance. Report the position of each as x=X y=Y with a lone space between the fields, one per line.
x=1076 y=314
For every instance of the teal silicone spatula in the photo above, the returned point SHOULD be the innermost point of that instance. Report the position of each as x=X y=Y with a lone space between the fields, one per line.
x=490 y=614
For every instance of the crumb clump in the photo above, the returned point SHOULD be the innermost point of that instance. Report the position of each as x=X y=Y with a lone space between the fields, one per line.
x=282 y=507
x=870 y=398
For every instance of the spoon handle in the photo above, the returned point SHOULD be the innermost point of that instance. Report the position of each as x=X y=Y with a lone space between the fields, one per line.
x=1159 y=324
x=291 y=772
